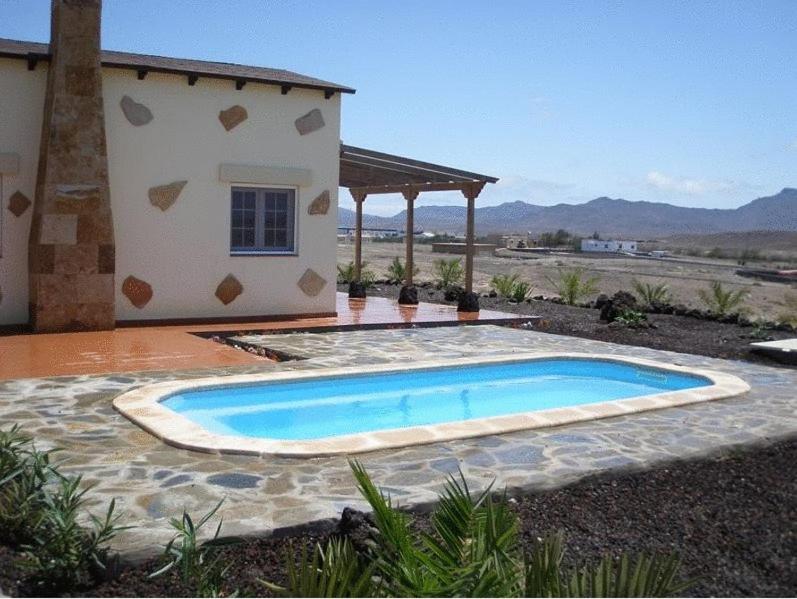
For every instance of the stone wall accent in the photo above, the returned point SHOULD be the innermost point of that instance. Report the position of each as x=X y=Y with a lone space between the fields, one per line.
x=137 y=291
x=137 y=114
x=233 y=116
x=163 y=196
x=320 y=205
x=58 y=229
x=229 y=289
x=311 y=283
x=18 y=203
x=312 y=121
x=71 y=245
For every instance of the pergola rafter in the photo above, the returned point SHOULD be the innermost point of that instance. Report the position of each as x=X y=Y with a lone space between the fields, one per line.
x=366 y=172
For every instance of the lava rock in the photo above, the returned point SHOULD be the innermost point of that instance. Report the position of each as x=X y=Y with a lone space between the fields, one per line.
x=356 y=289
x=359 y=528
x=468 y=302
x=619 y=303
x=453 y=293
x=601 y=301
x=408 y=295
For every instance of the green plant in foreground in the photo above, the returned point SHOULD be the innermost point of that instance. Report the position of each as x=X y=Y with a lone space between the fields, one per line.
x=24 y=472
x=651 y=293
x=722 y=301
x=472 y=549
x=520 y=291
x=448 y=272
x=572 y=286
x=198 y=563
x=397 y=271
x=63 y=554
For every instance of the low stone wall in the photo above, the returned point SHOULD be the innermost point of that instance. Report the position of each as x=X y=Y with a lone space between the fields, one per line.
x=459 y=248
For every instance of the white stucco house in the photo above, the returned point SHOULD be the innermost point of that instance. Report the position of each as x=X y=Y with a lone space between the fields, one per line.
x=144 y=189
x=608 y=245
x=214 y=170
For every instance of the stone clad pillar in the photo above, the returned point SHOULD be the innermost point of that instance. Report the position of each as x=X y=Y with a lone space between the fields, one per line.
x=71 y=253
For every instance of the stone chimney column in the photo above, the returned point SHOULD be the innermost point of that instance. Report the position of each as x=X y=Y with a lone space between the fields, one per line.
x=71 y=253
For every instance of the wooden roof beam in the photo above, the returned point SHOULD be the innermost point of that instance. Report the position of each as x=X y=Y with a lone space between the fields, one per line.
x=409 y=189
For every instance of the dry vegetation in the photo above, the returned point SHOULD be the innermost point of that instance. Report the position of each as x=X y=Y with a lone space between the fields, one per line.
x=684 y=276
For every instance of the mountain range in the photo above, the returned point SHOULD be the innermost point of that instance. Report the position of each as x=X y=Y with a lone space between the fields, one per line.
x=610 y=217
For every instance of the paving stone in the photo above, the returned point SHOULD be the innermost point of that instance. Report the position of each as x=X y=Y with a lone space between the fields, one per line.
x=312 y=121
x=164 y=196
x=320 y=205
x=233 y=116
x=18 y=203
x=76 y=413
x=229 y=289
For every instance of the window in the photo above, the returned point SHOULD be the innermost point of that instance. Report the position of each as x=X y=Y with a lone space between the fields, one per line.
x=263 y=221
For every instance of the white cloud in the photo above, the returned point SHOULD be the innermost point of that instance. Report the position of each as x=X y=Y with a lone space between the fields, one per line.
x=686 y=185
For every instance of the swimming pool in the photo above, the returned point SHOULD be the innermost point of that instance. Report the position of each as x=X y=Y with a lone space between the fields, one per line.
x=358 y=409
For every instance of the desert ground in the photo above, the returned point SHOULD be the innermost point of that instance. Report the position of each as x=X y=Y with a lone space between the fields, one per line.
x=683 y=275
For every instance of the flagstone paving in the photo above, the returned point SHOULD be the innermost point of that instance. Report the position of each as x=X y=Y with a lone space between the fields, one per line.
x=152 y=481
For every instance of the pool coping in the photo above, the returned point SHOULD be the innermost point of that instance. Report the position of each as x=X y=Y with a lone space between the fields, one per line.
x=143 y=407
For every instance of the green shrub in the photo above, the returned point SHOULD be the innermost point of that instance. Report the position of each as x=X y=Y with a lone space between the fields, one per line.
x=472 y=550
x=63 y=554
x=651 y=293
x=511 y=287
x=504 y=284
x=572 y=286
x=24 y=472
x=198 y=563
x=346 y=274
x=397 y=272
x=788 y=313
x=39 y=512
x=722 y=301
x=631 y=318
x=448 y=272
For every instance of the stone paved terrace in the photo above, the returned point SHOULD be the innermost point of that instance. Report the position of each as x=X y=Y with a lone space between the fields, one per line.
x=153 y=481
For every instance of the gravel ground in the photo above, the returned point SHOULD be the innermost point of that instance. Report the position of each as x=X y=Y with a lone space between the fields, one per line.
x=732 y=518
x=674 y=333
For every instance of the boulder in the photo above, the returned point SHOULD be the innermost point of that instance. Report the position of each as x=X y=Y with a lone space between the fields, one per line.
x=356 y=290
x=408 y=296
x=468 y=302
x=619 y=303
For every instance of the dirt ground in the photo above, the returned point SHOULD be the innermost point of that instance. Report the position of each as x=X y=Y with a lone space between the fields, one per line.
x=684 y=276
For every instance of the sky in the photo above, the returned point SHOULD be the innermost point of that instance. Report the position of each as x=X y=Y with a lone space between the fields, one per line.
x=691 y=103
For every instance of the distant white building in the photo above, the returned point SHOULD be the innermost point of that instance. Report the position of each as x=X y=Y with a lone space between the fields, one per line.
x=608 y=245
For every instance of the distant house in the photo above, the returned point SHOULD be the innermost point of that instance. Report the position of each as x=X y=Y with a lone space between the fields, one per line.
x=348 y=233
x=608 y=245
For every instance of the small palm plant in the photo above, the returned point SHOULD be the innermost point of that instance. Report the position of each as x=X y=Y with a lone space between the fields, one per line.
x=572 y=285
x=652 y=293
x=472 y=550
x=198 y=563
x=504 y=284
x=448 y=272
x=788 y=313
x=397 y=271
x=722 y=301
x=511 y=287
x=346 y=274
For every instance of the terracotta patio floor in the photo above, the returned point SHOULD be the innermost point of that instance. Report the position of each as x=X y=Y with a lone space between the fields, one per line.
x=176 y=348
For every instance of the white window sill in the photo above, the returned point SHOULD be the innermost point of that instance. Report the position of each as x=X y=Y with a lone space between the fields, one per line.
x=262 y=253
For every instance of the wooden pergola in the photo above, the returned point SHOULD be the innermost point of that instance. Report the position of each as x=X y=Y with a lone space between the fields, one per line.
x=366 y=172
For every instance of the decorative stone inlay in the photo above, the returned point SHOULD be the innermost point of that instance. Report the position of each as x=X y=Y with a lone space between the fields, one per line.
x=311 y=282
x=18 y=203
x=137 y=291
x=137 y=114
x=59 y=228
x=312 y=121
x=233 y=116
x=229 y=289
x=320 y=205
x=163 y=196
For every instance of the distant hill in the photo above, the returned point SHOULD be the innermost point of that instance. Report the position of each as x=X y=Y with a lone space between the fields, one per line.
x=610 y=217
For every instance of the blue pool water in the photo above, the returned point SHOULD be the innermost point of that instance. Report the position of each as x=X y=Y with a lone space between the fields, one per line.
x=329 y=407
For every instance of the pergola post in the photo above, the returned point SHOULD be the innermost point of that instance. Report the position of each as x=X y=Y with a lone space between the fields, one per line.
x=356 y=287
x=409 y=294
x=469 y=301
